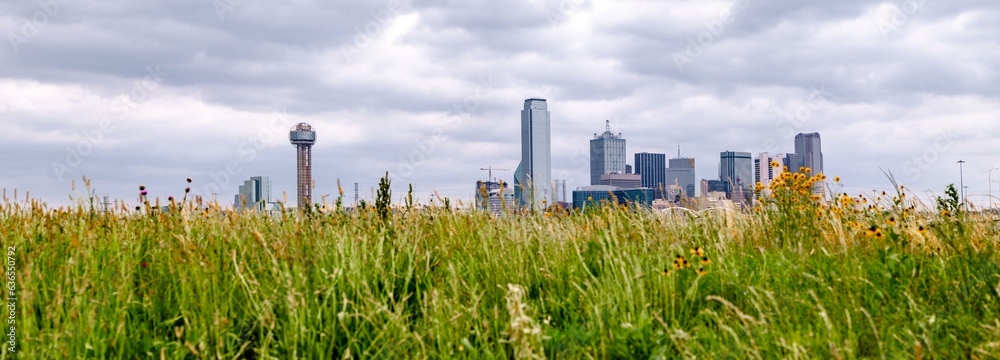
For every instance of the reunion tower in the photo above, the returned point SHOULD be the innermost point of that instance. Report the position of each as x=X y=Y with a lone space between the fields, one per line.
x=303 y=137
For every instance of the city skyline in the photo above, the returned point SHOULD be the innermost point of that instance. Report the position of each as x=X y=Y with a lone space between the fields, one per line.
x=430 y=93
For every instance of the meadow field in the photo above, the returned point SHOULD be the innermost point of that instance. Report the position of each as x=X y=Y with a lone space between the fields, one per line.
x=849 y=278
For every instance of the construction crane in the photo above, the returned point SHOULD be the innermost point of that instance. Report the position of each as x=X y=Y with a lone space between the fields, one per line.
x=490 y=170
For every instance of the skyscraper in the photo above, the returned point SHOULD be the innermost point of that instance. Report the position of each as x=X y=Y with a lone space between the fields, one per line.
x=533 y=177
x=653 y=170
x=607 y=154
x=764 y=167
x=736 y=170
x=254 y=194
x=681 y=173
x=809 y=148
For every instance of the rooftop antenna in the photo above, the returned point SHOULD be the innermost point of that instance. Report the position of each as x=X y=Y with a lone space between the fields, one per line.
x=607 y=125
x=355 y=194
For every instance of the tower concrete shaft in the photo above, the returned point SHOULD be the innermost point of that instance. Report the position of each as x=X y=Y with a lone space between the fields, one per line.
x=304 y=174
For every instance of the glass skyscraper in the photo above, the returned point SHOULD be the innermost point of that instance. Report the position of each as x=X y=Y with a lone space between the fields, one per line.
x=736 y=170
x=533 y=177
x=681 y=173
x=254 y=194
x=607 y=154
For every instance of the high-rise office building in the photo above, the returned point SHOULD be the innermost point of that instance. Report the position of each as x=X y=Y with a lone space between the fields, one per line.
x=653 y=170
x=607 y=154
x=736 y=170
x=254 y=194
x=809 y=148
x=681 y=173
x=533 y=177
x=808 y=154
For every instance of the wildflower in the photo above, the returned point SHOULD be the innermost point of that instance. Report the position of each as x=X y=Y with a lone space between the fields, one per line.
x=892 y=220
x=143 y=193
x=878 y=234
x=702 y=272
x=189 y=180
x=666 y=271
x=836 y=179
x=170 y=198
x=705 y=260
x=871 y=231
x=136 y=208
x=945 y=213
x=143 y=264
x=142 y=187
x=187 y=190
x=921 y=229
x=698 y=251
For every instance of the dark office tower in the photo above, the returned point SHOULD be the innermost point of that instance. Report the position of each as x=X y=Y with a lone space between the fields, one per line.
x=681 y=172
x=808 y=148
x=607 y=154
x=736 y=170
x=653 y=170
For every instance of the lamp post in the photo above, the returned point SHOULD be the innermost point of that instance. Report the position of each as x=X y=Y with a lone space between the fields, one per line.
x=990 y=184
x=961 y=183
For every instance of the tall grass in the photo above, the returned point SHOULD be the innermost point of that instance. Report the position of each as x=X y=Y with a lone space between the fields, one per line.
x=793 y=279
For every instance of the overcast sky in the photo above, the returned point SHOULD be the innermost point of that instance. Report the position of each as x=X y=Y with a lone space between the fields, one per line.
x=152 y=92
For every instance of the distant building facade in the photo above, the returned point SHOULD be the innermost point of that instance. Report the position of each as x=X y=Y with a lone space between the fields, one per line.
x=653 y=170
x=681 y=173
x=495 y=197
x=767 y=167
x=593 y=196
x=607 y=154
x=533 y=177
x=255 y=194
x=710 y=186
x=624 y=181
